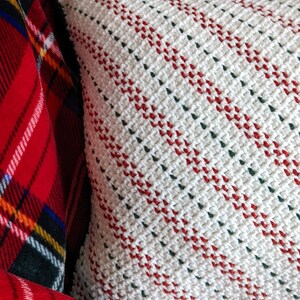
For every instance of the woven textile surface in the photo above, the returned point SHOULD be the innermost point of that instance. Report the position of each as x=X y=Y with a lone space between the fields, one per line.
x=17 y=288
x=192 y=143
x=42 y=167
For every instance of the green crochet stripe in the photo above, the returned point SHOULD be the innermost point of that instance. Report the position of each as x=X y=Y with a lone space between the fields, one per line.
x=191 y=196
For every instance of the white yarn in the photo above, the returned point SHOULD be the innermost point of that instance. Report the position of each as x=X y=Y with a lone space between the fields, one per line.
x=192 y=144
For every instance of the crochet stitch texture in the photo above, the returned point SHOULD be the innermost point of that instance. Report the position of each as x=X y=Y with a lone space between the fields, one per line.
x=192 y=143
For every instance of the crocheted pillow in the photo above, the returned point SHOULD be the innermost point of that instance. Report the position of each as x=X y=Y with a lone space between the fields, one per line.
x=192 y=144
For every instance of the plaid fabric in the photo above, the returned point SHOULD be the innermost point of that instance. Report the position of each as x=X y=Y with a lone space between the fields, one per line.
x=13 y=287
x=43 y=181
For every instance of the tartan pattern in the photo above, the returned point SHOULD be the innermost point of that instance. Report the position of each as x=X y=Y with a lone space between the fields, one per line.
x=13 y=287
x=43 y=177
x=40 y=245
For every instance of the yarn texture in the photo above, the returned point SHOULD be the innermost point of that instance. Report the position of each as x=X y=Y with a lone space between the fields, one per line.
x=193 y=148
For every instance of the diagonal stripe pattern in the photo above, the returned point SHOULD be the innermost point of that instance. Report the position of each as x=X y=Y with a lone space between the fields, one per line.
x=192 y=144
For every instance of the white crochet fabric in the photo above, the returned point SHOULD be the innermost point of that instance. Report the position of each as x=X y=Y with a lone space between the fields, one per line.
x=192 y=143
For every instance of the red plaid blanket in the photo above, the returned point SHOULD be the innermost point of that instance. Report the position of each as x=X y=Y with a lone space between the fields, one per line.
x=43 y=182
x=13 y=287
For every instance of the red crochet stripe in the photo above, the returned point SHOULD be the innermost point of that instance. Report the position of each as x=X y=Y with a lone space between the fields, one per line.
x=181 y=147
x=243 y=49
x=242 y=121
x=127 y=241
x=199 y=242
x=264 y=12
x=94 y=266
